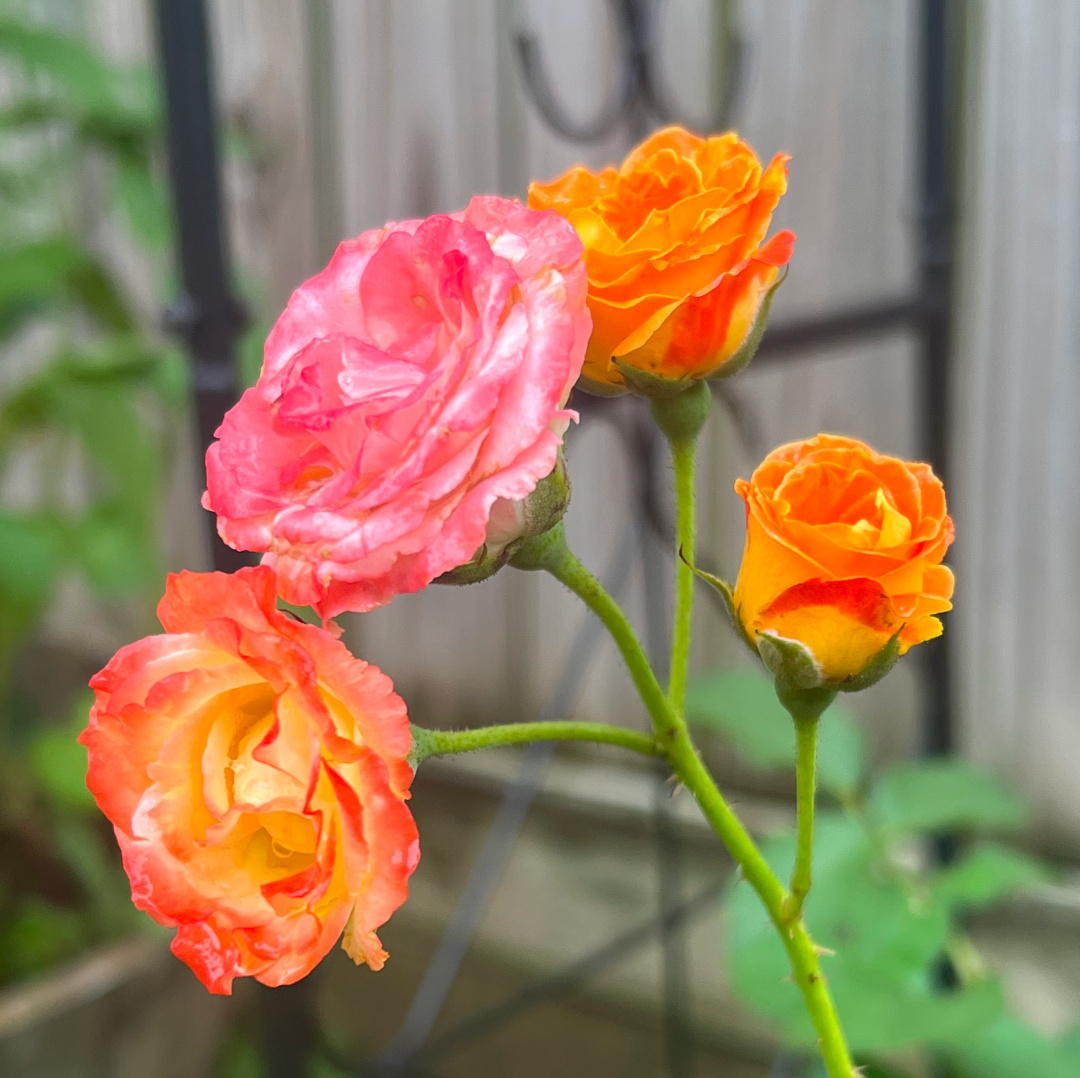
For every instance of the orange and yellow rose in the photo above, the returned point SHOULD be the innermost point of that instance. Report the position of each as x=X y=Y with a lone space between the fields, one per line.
x=675 y=253
x=255 y=774
x=843 y=551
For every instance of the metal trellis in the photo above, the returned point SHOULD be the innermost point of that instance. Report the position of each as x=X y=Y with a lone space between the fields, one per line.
x=210 y=319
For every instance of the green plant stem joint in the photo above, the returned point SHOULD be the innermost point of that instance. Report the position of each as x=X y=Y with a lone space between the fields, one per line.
x=428 y=743
x=541 y=511
x=672 y=743
x=682 y=415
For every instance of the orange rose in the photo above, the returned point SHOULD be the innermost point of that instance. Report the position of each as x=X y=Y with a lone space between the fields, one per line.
x=843 y=550
x=673 y=249
x=255 y=774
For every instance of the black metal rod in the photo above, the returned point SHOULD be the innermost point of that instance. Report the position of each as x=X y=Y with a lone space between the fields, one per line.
x=208 y=316
x=857 y=324
x=936 y=282
x=575 y=973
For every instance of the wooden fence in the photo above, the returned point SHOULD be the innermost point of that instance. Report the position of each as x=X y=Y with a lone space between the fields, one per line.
x=359 y=111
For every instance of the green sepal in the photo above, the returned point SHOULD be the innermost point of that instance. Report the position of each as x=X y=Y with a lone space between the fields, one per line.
x=656 y=387
x=790 y=662
x=749 y=347
x=653 y=386
x=544 y=508
x=727 y=593
x=599 y=389
x=800 y=683
x=681 y=417
x=541 y=552
x=805 y=705
x=876 y=668
x=479 y=567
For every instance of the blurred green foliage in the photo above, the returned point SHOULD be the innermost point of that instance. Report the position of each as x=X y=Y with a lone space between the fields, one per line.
x=894 y=918
x=89 y=404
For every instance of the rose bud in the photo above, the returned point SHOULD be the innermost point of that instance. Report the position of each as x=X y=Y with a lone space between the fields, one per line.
x=680 y=278
x=255 y=774
x=843 y=558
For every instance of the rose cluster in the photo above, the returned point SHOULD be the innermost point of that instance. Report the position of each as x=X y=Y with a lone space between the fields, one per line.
x=406 y=428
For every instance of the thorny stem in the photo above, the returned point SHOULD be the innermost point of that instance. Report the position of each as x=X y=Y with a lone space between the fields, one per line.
x=550 y=552
x=427 y=743
x=806 y=731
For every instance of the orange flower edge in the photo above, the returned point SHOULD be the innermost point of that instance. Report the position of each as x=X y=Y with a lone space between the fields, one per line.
x=843 y=551
x=255 y=774
x=675 y=252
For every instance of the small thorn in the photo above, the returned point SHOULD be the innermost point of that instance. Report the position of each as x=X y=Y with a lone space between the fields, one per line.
x=827 y=951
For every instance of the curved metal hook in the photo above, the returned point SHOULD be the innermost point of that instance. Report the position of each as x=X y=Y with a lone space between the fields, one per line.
x=732 y=66
x=639 y=91
x=543 y=97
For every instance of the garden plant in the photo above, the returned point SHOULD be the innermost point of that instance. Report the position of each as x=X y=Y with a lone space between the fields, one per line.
x=90 y=411
x=406 y=429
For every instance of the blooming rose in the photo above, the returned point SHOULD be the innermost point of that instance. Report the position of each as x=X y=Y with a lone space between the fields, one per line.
x=843 y=550
x=673 y=248
x=407 y=391
x=255 y=775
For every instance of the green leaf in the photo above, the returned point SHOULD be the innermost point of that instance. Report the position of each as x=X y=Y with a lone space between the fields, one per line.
x=58 y=761
x=885 y=940
x=101 y=875
x=64 y=59
x=742 y=705
x=142 y=198
x=115 y=549
x=1009 y=1048
x=89 y=84
x=30 y=563
x=55 y=270
x=92 y=286
x=37 y=270
x=940 y=795
x=987 y=874
x=110 y=427
x=171 y=379
x=239 y=1058
x=39 y=936
x=1071 y=1041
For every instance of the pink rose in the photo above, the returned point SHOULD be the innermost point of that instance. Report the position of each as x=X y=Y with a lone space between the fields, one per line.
x=407 y=392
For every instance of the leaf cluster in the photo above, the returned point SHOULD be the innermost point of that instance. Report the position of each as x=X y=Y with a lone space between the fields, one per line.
x=88 y=428
x=892 y=917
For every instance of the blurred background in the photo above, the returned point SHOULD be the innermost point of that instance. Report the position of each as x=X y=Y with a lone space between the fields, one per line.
x=571 y=914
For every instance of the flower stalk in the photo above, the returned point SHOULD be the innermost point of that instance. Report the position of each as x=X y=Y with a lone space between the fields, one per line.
x=428 y=743
x=806 y=736
x=673 y=744
x=681 y=419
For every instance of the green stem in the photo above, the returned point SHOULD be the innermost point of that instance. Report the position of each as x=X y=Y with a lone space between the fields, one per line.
x=681 y=418
x=800 y=947
x=550 y=552
x=805 y=765
x=445 y=742
x=682 y=456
